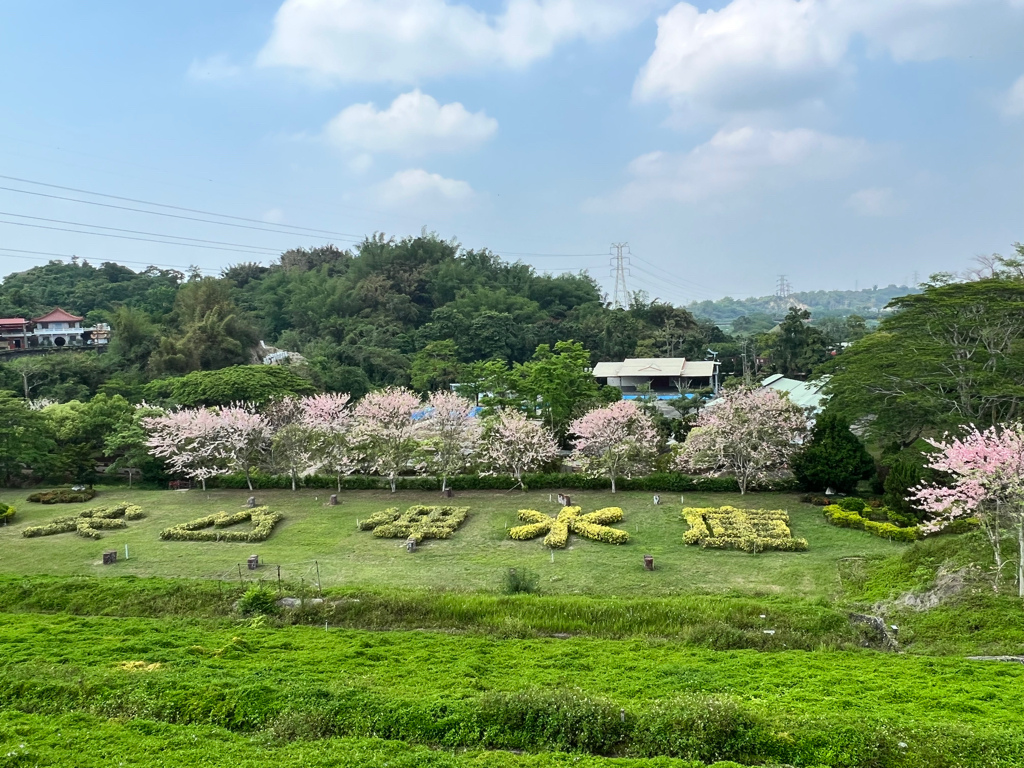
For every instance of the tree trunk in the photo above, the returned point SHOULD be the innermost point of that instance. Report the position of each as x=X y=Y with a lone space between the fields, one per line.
x=293 y=478
x=444 y=483
x=248 y=480
x=1020 y=556
x=339 y=482
x=203 y=481
x=394 y=483
x=613 y=483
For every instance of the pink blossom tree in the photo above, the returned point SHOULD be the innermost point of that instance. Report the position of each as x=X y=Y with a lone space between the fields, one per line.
x=450 y=435
x=329 y=420
x=987 y=469
x=513 y=445
x=290 y=449
x=619 y=439
x=745 y=432
x=244 y=436
x=385 y=431
x=190 y=440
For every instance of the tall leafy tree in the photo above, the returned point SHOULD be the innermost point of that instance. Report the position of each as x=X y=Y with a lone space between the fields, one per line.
x=25 y=439
x=834 y=458
x=795 y=347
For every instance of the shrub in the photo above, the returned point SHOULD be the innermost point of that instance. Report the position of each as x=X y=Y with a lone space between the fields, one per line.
x=906 y=470
x=703 y=728
x=590 y=526
x=750 y=530
x=62 y=496
x=262 y=519
x=89 y=522
x=6 y=513
x=842 y=518
x=416 y=523
x=517 y=581
x=834 y=457
x=258 y=601
x=853 y=504
x=564 y=720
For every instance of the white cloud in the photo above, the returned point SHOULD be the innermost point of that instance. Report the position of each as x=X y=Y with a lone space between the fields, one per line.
x=1013 y=100
x=874 y=201
x=734 y=160
x=417 y=188
x=213 y=68
x=273 y=216
x=414 y=124
x=768 y=54
x=410 y=40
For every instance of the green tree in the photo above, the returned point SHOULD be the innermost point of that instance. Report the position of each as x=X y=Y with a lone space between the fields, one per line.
x=834 y=458
x=81 y=429
x=951 y=355
x=125 y=443
x=239 y=383
x=558 y=382
x=25 y=440
x=795 y=347
x=435 y=367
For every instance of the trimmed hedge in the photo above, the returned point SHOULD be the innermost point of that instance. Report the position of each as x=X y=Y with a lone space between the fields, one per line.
x=590 y=526
x=656 y=482
x=6 y=513
x=843 y=518
x=750 y=530
x=417 y=523
x=262 y=519
x=89 y=522
x=62 y=496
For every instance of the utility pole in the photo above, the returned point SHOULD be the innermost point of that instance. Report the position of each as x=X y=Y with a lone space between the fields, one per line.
x=619 y=261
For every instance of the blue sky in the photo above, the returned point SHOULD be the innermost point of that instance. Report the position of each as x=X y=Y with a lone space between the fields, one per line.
x=841 y=142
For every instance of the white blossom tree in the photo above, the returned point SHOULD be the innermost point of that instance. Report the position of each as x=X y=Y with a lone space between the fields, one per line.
x=190 y=440
x=385 y=431
x=619 y=439
x=244 y=436
x=329 y=420
x=450 y=435
x=746 y=432
x=512 y=444
x=291 y=447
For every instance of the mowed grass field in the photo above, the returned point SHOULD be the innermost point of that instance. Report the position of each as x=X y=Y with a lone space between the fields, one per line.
x=314 y=535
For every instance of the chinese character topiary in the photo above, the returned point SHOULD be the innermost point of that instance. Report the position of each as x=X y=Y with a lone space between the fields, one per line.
x=417 y=522
x=592 y=525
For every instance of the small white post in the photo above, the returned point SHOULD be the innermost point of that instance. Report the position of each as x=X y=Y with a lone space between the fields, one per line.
x=125 y=551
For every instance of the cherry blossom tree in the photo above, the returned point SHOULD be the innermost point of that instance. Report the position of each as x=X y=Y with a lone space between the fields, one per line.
x=190 y=440
x=987 y=469
x=328 y=418
x=513 y=445
x=385 y=431
x=450 y=435
x=244 y=436
x=746 y=432
x=617 y=440
x=291 y=442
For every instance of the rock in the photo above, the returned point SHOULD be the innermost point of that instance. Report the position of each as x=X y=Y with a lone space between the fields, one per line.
x=879 y=629
x=316 y=601
x=948 y=584
x=289 y=602
x=1013 y=659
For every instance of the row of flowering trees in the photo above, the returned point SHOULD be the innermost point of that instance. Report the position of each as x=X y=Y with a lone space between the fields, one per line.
x=389 y=433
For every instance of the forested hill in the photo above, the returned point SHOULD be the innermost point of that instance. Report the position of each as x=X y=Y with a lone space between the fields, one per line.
x=867 y=303
x=361 y=318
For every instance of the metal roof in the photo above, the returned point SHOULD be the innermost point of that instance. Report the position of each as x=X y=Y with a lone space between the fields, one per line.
x=656 y=366
x=12 y=321
x=806 y=394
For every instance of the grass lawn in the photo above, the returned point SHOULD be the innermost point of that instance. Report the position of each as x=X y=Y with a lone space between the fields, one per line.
x=473 y=559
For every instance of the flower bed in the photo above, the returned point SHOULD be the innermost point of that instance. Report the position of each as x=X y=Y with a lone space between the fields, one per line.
x=417 y=522
x=592 y=525
x=262 y=519
x=89 y=523
x=750 y=530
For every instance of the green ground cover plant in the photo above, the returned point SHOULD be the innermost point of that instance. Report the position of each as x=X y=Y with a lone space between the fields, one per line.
x=89 y=523
x=6 y=513
x=262 y=518
x=749 y=530
x=637 y=698
x=592 y=525
x=417 y=522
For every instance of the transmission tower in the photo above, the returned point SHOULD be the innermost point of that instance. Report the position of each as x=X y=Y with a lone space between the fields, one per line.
x=783 y=289
x=620 y=262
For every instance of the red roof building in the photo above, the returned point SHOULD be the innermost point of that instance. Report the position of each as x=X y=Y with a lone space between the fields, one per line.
x=57 y=315
x=13 y=333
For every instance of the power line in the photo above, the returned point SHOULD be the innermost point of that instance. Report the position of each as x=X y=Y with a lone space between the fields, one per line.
x=138 y=232
x=18 y=253
x=172 y=207
x=127 y=237
x=161 y=213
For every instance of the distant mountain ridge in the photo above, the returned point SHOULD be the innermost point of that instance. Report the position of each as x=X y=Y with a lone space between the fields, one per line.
x=868 y=302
